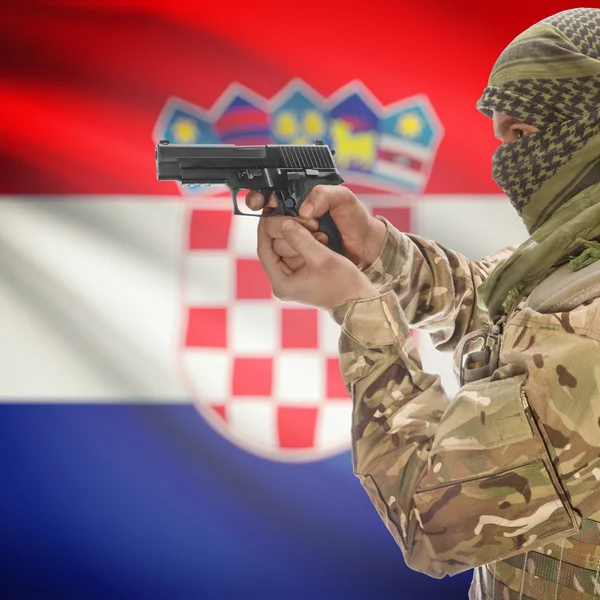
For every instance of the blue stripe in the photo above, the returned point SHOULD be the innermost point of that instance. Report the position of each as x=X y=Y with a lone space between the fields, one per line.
x=146 y=501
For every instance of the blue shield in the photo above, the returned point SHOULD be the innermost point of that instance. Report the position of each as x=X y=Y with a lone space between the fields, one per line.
x=298 y=117
x=409 y=136
x=353 y=131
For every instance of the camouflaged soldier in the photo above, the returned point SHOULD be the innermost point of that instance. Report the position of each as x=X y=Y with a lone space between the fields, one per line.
x=505 y=479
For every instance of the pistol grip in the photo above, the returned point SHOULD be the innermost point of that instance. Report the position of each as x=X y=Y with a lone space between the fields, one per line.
x=326 y=223
x=334 y=239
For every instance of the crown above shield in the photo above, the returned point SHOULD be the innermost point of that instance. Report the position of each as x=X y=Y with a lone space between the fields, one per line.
x=390 y=149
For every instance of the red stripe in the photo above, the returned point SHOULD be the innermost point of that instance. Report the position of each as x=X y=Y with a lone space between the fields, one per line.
x=401 y=159
x=242 y=119
x=83 y=86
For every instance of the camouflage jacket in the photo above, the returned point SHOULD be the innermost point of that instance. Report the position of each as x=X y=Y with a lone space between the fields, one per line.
x=512 y=463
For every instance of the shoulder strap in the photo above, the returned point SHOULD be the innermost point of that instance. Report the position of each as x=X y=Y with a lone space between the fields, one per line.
x=564 y=289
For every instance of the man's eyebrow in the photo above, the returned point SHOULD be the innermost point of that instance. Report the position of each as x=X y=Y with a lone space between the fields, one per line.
x=505 y=126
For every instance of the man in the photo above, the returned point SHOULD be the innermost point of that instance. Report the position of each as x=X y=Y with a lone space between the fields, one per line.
x=506 y=478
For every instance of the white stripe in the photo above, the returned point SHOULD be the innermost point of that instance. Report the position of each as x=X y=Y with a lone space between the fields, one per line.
x=394 y=144
x=90 y=289
x=89 y=298
x=400 y=172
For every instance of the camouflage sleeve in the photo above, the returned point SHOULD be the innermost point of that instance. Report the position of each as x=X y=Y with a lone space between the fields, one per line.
x=463 y=484
x=436 y=287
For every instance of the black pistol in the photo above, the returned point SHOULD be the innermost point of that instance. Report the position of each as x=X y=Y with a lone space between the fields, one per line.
x=289 y=172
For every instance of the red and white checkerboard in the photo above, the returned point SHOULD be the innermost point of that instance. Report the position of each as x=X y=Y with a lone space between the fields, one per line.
x=263 y=372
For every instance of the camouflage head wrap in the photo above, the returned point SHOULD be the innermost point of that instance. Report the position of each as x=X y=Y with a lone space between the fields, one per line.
x=548 y=77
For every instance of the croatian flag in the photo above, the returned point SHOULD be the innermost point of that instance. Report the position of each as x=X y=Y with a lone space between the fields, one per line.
x=170 y=429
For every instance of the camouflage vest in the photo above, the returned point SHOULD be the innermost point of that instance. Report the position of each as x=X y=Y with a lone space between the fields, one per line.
x=568 y=570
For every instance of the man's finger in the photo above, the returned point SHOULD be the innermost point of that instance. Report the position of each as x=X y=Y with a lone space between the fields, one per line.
x=302 y=241
x=321 y=237
x=255 y=200
x=287 y=269
x=272 y=201
x=273 y=225
x=317 y=202
x=294 y=263
x=283 y=249
x=268 y=258
x=314 y=204
x=270 y=205
x=325 y=198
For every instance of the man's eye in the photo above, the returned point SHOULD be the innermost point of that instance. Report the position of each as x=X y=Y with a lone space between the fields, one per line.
x=519 y=133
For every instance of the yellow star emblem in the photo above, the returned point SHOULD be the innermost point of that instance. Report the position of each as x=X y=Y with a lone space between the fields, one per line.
x=409 y=125
x=185 y=131
x=286 y=125
x=314 y=124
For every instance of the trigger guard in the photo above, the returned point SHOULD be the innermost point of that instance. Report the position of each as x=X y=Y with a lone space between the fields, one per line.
x=280 y=210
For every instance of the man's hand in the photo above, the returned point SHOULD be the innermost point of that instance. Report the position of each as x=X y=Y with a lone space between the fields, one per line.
x=325 y=278
x=363 y=236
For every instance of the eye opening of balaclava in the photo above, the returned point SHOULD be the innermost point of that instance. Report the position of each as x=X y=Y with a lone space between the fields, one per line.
x=549 y=77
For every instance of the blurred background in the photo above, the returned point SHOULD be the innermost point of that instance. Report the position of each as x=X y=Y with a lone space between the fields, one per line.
x=168 y=429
